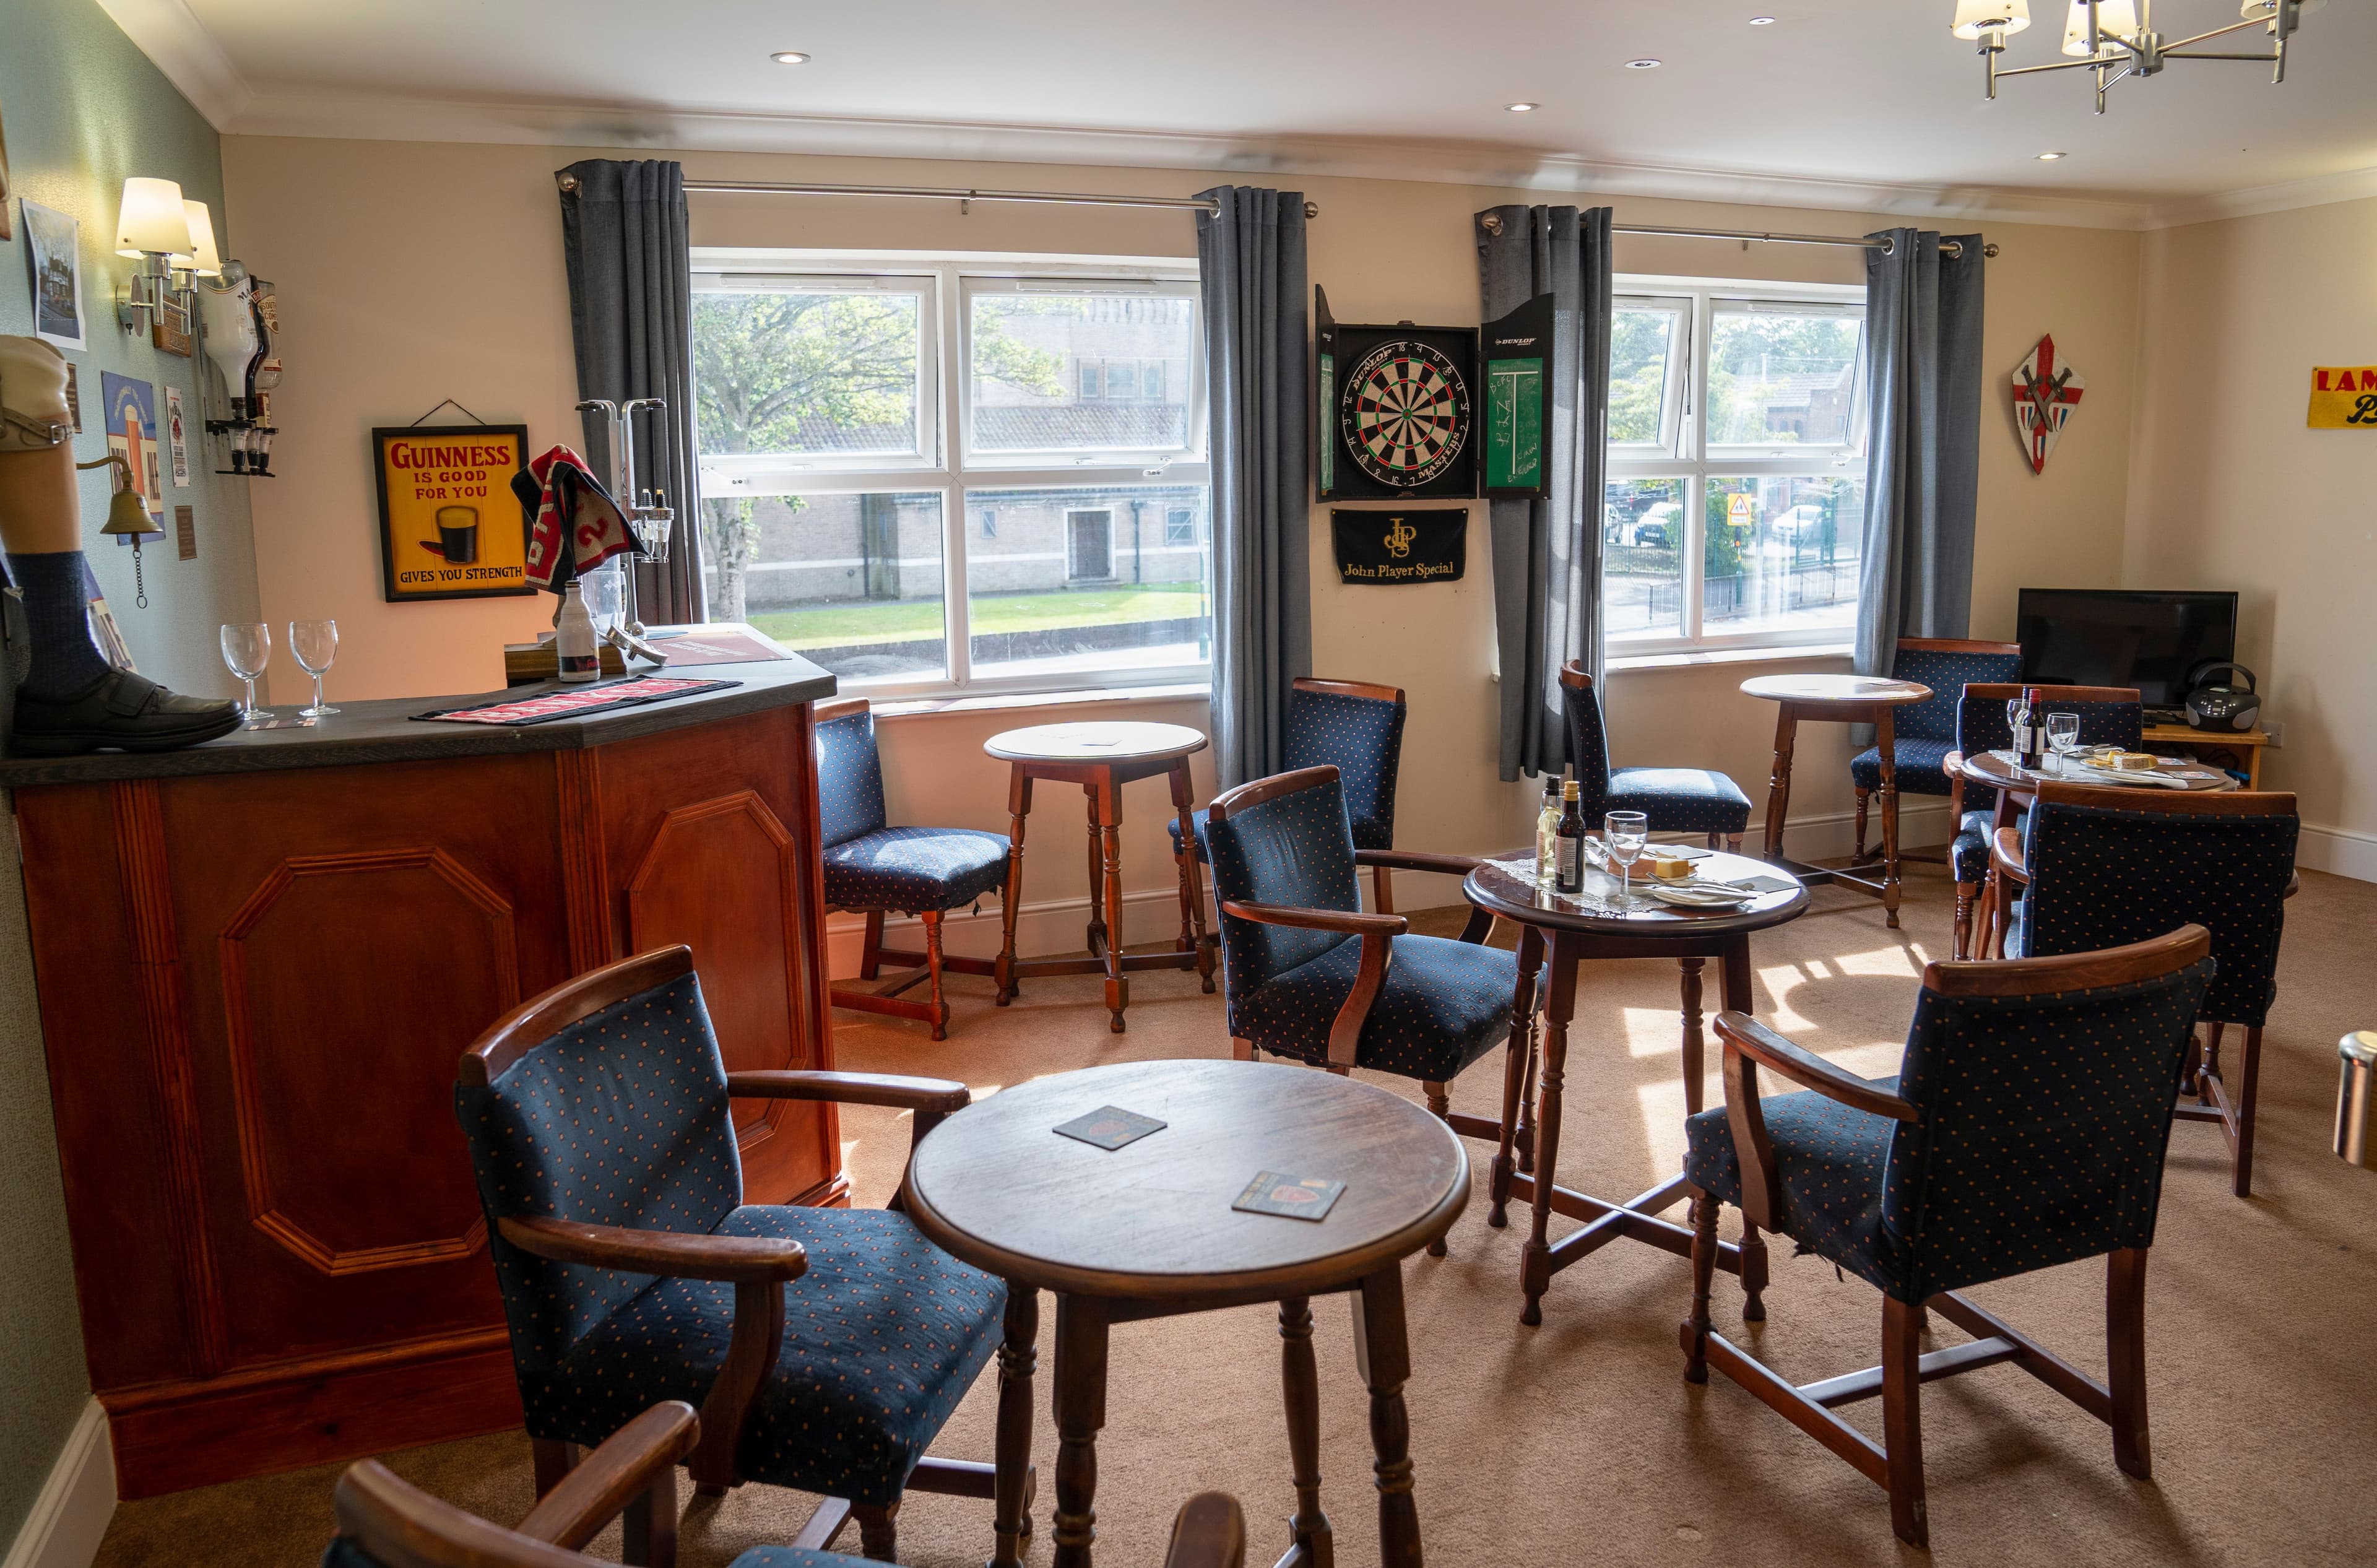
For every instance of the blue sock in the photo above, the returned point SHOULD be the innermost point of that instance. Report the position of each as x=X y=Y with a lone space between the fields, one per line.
x=66 y=659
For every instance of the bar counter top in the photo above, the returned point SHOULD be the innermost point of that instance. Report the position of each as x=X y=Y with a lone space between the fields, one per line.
x=384 y=730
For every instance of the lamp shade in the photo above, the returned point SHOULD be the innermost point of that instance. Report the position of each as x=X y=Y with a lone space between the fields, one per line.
x=1975 y=17
x=149 y=220
x=2112 y=16
x=202 y=257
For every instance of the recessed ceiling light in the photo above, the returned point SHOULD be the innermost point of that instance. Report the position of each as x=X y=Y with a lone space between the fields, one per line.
x=2049 y=157
x=1523 y=108
x=789 y=58
x=1642 y=64
x=1762 y=21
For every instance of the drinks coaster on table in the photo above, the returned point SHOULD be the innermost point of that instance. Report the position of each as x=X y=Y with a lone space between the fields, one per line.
x=1289 y=1197
x=1110 y=1127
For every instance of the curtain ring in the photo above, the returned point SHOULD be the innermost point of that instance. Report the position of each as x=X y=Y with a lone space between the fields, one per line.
x=567 y=181
x=1491 y=223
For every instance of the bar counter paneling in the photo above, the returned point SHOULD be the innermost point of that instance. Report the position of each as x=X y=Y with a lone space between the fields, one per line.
x=259 y=961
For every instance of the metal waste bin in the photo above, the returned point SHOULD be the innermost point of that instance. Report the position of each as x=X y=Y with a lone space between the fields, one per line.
x=2356 y=1099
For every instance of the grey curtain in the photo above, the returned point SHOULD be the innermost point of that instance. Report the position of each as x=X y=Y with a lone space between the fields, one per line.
x=623 y=228
x=1923 y=453
x=1547 y=553
x=1250 y=265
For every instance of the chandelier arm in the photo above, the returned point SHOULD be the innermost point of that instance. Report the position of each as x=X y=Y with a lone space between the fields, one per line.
x=2059 y=66
x=2216 y=33
x=2256 y=59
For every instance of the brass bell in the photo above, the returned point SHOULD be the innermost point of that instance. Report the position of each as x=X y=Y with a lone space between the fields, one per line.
x=126 y=515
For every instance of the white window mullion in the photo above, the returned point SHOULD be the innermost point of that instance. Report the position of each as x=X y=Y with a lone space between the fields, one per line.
x=956 y=618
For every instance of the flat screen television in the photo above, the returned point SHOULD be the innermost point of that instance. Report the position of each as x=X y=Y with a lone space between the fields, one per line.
x=2123 y=637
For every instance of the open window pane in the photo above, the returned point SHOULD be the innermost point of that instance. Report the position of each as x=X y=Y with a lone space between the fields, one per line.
x=1072 y=373
x=1781 y=554
x=810 y=371
x=1643 y=542
x=853 y=582
x=1088 y=578
x=1643 y=359
x=1783 y=374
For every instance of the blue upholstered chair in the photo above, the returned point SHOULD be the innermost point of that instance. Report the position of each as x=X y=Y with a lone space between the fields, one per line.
x=1924 y=733
x=1307 y=975
x=825 y=1347
x=2097 y=867
x=2025 y=1128
x=1672 y=800
x=1359 y=730
x=2109 y=715
x=878 y=869
x=385 y=1522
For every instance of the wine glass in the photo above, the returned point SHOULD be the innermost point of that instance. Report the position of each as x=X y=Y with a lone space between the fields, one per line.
x=248 y=649
x=605 y=597
x=314 y=643
x=2063 y=735
x=1628 y=833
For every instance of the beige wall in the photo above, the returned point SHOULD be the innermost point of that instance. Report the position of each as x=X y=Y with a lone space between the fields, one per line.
x=411 y=272
x=2230 y=489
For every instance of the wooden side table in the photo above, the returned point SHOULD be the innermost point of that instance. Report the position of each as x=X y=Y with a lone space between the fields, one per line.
x=1102 y=758
x=2243 y=747
x=1841 y=699
x=1147 y=1231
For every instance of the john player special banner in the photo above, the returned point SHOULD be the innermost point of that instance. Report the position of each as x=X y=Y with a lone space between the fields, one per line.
x=1389 y=548
x=449 y=526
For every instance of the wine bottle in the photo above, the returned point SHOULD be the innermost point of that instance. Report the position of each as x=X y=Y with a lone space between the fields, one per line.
x=573 y=637
x=1569 y=855
x=1548 y=820
x=2030 y=744
x=2019 y=722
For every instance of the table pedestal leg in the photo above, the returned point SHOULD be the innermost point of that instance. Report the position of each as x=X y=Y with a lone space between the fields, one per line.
x=1299 y=1379
x=1884 y=733
x=1382 y=1355
x=1109 y=817
x=1080 y=1411
x=1778 y=782
x=1515 y=1061
x=1535 y=1263
x=1192 y=890
x=1096 y=940
x=1018 y=806
x=1695 y=1046
x=1017 y=1357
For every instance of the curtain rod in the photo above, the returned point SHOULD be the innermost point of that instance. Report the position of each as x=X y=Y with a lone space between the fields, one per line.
x=952 y=193
x=1493 y=225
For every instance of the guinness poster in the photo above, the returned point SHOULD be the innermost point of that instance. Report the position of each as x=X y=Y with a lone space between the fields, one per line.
x=449 y=526
x=1390 y=549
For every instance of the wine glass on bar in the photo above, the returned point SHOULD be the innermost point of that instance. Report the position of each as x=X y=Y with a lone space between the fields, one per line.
x=1629 y=834
x=247 y=650
x=314 y=643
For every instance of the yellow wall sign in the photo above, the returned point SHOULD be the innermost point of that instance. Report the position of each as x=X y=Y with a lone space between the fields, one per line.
x=449 y=526
x=2344 y=398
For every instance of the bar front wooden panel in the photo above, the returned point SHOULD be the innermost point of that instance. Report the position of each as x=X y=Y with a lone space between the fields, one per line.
x=254 y=990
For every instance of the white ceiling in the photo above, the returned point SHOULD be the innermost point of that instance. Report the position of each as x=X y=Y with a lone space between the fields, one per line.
x=1836 y=97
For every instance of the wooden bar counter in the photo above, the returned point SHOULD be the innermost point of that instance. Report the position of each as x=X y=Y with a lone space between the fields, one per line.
x=259 y=961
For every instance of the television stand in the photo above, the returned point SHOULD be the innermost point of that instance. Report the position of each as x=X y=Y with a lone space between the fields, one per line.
x=2242 y=748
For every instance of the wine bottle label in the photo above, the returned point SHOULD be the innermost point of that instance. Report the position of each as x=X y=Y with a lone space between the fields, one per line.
x=1571 y=864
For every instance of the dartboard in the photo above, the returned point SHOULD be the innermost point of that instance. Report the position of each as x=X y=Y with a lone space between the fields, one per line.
x=1406 y=413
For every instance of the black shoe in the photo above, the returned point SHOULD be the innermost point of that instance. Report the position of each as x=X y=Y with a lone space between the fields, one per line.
x=121 y=709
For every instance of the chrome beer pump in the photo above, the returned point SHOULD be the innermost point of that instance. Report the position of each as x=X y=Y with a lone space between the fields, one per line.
x=649 y=517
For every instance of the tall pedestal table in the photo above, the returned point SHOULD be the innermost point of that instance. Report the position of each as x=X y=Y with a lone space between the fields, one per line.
x=1841 y=699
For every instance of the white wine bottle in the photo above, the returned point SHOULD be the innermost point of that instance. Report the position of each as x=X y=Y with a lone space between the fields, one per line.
x=573 y=637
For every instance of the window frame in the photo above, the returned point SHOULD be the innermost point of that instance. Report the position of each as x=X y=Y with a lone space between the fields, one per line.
x=1686 y=455
x=943 y=463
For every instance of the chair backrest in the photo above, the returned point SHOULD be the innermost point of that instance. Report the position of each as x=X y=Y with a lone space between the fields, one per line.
x=602 y=1101
x=1359 y=730
x=1947 y=665
x=2109 y=715
x=1282 y=840
x=2044 y=1091
x=850 y=774
x=1588 y=738
x=2109 y=865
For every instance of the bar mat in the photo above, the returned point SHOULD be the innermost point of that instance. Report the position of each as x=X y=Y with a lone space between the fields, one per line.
x=580 y=703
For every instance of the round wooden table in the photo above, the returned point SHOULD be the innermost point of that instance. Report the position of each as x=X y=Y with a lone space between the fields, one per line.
x=1841 y=700
x=1591 y=926
x=1102 y=757
x=1147 y=1231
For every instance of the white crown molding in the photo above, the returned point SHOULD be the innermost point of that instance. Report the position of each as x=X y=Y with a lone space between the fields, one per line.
x=387 y=117
x=2320 y=190
x=179 y=45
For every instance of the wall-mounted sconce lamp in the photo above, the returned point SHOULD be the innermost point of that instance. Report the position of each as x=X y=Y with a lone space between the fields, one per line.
x=152 y=227
x=202 y=261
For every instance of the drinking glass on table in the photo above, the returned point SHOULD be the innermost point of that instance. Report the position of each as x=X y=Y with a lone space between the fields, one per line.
x=314 y=643
x=247 y=650
x=2064 y=736
x=1628 y=833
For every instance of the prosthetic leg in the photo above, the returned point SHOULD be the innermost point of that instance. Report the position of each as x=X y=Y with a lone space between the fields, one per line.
x=71 y=700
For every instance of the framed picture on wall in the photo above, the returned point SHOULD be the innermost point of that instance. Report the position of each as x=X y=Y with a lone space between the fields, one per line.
x=53 y=256
x=449 y=526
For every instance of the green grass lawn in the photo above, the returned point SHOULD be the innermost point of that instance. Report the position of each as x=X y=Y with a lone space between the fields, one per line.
x=906 y=619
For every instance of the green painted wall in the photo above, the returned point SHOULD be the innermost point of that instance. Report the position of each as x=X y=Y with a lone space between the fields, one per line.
x=80 y=109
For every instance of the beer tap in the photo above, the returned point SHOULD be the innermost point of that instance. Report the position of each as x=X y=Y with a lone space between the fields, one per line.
x=649 y=520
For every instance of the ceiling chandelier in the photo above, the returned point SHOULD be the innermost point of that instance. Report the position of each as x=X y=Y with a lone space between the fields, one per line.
x=2116 y=39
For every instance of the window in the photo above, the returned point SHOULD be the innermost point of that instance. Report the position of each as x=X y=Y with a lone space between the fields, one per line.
x=852 y=420
x=1734 y=507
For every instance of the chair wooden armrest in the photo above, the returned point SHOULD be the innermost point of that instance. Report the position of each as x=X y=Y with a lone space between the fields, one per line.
x=1353 y=922
x=2005 y=855
x=614 y=1475
x=1208 y=1532
x=1748 y=1045
x=1419 y=860
x=939 y=1095
x=736 y=1260
x=1378 y=933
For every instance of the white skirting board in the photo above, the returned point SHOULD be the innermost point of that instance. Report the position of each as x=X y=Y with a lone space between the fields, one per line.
x=2338 y=850
x=70 y=1514
x=1151 y=915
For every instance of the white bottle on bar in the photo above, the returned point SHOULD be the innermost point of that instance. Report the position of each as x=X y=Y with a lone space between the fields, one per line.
x=573 y=637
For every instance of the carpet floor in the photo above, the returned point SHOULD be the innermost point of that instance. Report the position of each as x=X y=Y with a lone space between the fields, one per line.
x=1579 y=1442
